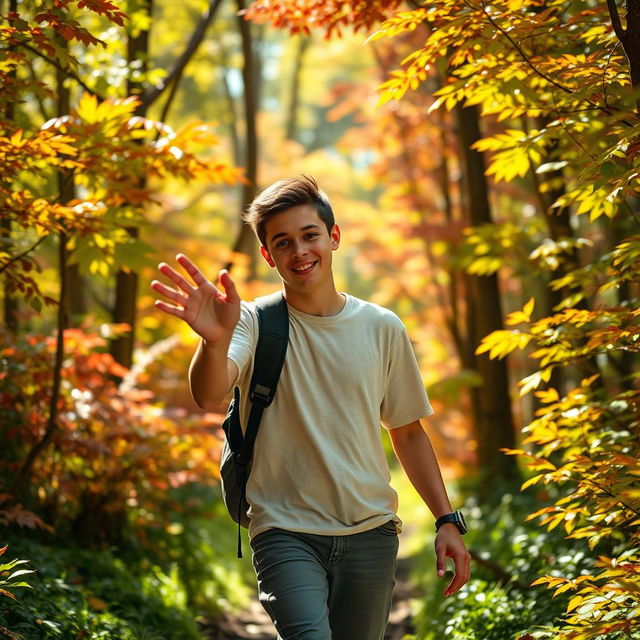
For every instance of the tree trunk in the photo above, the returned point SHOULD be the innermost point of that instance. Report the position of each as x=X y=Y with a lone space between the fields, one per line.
x=624 y=362
x=24 y=472
x=630 y=40
x=559 y=228
x=10 y=302
x=246 y=242
x=294 y=96
x=76 y=299
x=494 y=424
x=124 y=310
x=66 y=193
x=233 y=120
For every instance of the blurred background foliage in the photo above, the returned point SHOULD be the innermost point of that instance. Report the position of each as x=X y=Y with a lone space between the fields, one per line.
x=483 y=164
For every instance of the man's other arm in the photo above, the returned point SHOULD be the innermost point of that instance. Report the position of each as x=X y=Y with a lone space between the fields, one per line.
x=418 y=459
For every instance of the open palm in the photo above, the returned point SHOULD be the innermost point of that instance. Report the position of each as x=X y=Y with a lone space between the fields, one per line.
x=209 y=312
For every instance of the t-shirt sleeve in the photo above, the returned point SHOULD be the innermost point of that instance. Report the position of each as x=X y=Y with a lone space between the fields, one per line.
x=405 y=399
x=243 y=341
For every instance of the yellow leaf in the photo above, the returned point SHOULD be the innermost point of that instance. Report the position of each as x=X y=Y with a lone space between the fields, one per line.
x=570 y=522
x=87 y=108
x=542 y=580
x=553 y=521
x=563 y=588
x=514 y=452
x=16 y=138
x=630 y=493
x=528 y=308
x=548 y=396
x=100 y=240
x=501 y=343
x=531 y=481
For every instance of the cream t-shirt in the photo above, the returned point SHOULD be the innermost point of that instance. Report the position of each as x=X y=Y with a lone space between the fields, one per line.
x=318 y=462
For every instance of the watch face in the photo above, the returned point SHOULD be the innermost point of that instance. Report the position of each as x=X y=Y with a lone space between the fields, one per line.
x=462 y=525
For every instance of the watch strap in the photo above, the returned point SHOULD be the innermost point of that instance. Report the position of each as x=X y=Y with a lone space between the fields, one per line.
x=456 y=518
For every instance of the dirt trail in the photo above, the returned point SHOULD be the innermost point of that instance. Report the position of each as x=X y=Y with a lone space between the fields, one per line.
x=254 y=624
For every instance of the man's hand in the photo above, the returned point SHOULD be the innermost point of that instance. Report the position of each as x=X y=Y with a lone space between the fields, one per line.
x=449 y=544
x=210 y=313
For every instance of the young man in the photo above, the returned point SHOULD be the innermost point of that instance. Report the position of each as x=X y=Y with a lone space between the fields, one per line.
x=323 y=523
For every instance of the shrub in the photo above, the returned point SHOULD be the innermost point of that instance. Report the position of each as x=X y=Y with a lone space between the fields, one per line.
x=584 y=440
x=114 y=451
x=96 y=596
x=508 y=554
x=8 y=581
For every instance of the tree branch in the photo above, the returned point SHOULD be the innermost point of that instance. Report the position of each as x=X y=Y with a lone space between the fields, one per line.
x=169 y=101
x=629 y=208
x=67 y=72
x=519 y=49
x=151 y=95
x=21 y=255
x=528 y=62
x=34 y=77
x=615 y=21
x=52 y=421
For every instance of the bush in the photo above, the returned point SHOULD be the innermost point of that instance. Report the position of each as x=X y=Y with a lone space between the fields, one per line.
x=583 y=442
x=200 y=542
x=156 y=585
x=509 y=553
x=482 y=610
x=114 y=449
x=94 y=595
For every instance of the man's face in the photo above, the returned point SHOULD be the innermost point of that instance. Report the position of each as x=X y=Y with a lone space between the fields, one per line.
x=299 y=246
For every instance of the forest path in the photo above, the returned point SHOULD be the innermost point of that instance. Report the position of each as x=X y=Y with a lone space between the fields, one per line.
x=254 y=624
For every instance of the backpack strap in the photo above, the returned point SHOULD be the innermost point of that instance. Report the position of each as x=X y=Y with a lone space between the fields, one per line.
x=273 y=322
x=271 y=349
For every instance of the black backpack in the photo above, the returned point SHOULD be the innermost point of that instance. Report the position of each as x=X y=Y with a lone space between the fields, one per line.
x=273 y=322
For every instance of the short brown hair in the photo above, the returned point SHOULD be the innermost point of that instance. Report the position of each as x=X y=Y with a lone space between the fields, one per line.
x=283 y=195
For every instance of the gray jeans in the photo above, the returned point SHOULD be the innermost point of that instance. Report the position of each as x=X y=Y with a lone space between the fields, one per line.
x=327 y=587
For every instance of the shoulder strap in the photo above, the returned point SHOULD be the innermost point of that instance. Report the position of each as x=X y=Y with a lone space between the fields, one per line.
x=273 y=322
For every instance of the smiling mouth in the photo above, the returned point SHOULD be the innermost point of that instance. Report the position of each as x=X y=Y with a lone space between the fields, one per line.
x=303 y=268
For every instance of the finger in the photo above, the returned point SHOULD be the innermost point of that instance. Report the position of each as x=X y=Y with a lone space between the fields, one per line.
x=175 y=277
x=229 y=286
x=456 y=582
x=195 y=273
x=168 y=292
x=441 y=561
x=178 y=312
x=461 y=574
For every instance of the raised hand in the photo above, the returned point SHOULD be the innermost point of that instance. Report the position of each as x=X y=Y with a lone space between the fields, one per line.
x=209 y=312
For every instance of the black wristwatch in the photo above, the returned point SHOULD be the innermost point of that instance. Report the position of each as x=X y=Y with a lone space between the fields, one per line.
x=456 y=518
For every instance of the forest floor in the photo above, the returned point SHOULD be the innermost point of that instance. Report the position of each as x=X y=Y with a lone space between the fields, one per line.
x=254 y=624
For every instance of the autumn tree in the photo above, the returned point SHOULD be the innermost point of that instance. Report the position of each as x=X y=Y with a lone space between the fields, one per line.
x=586 y=109
x=491 y=404
x=557 y=85
x=103 y=147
